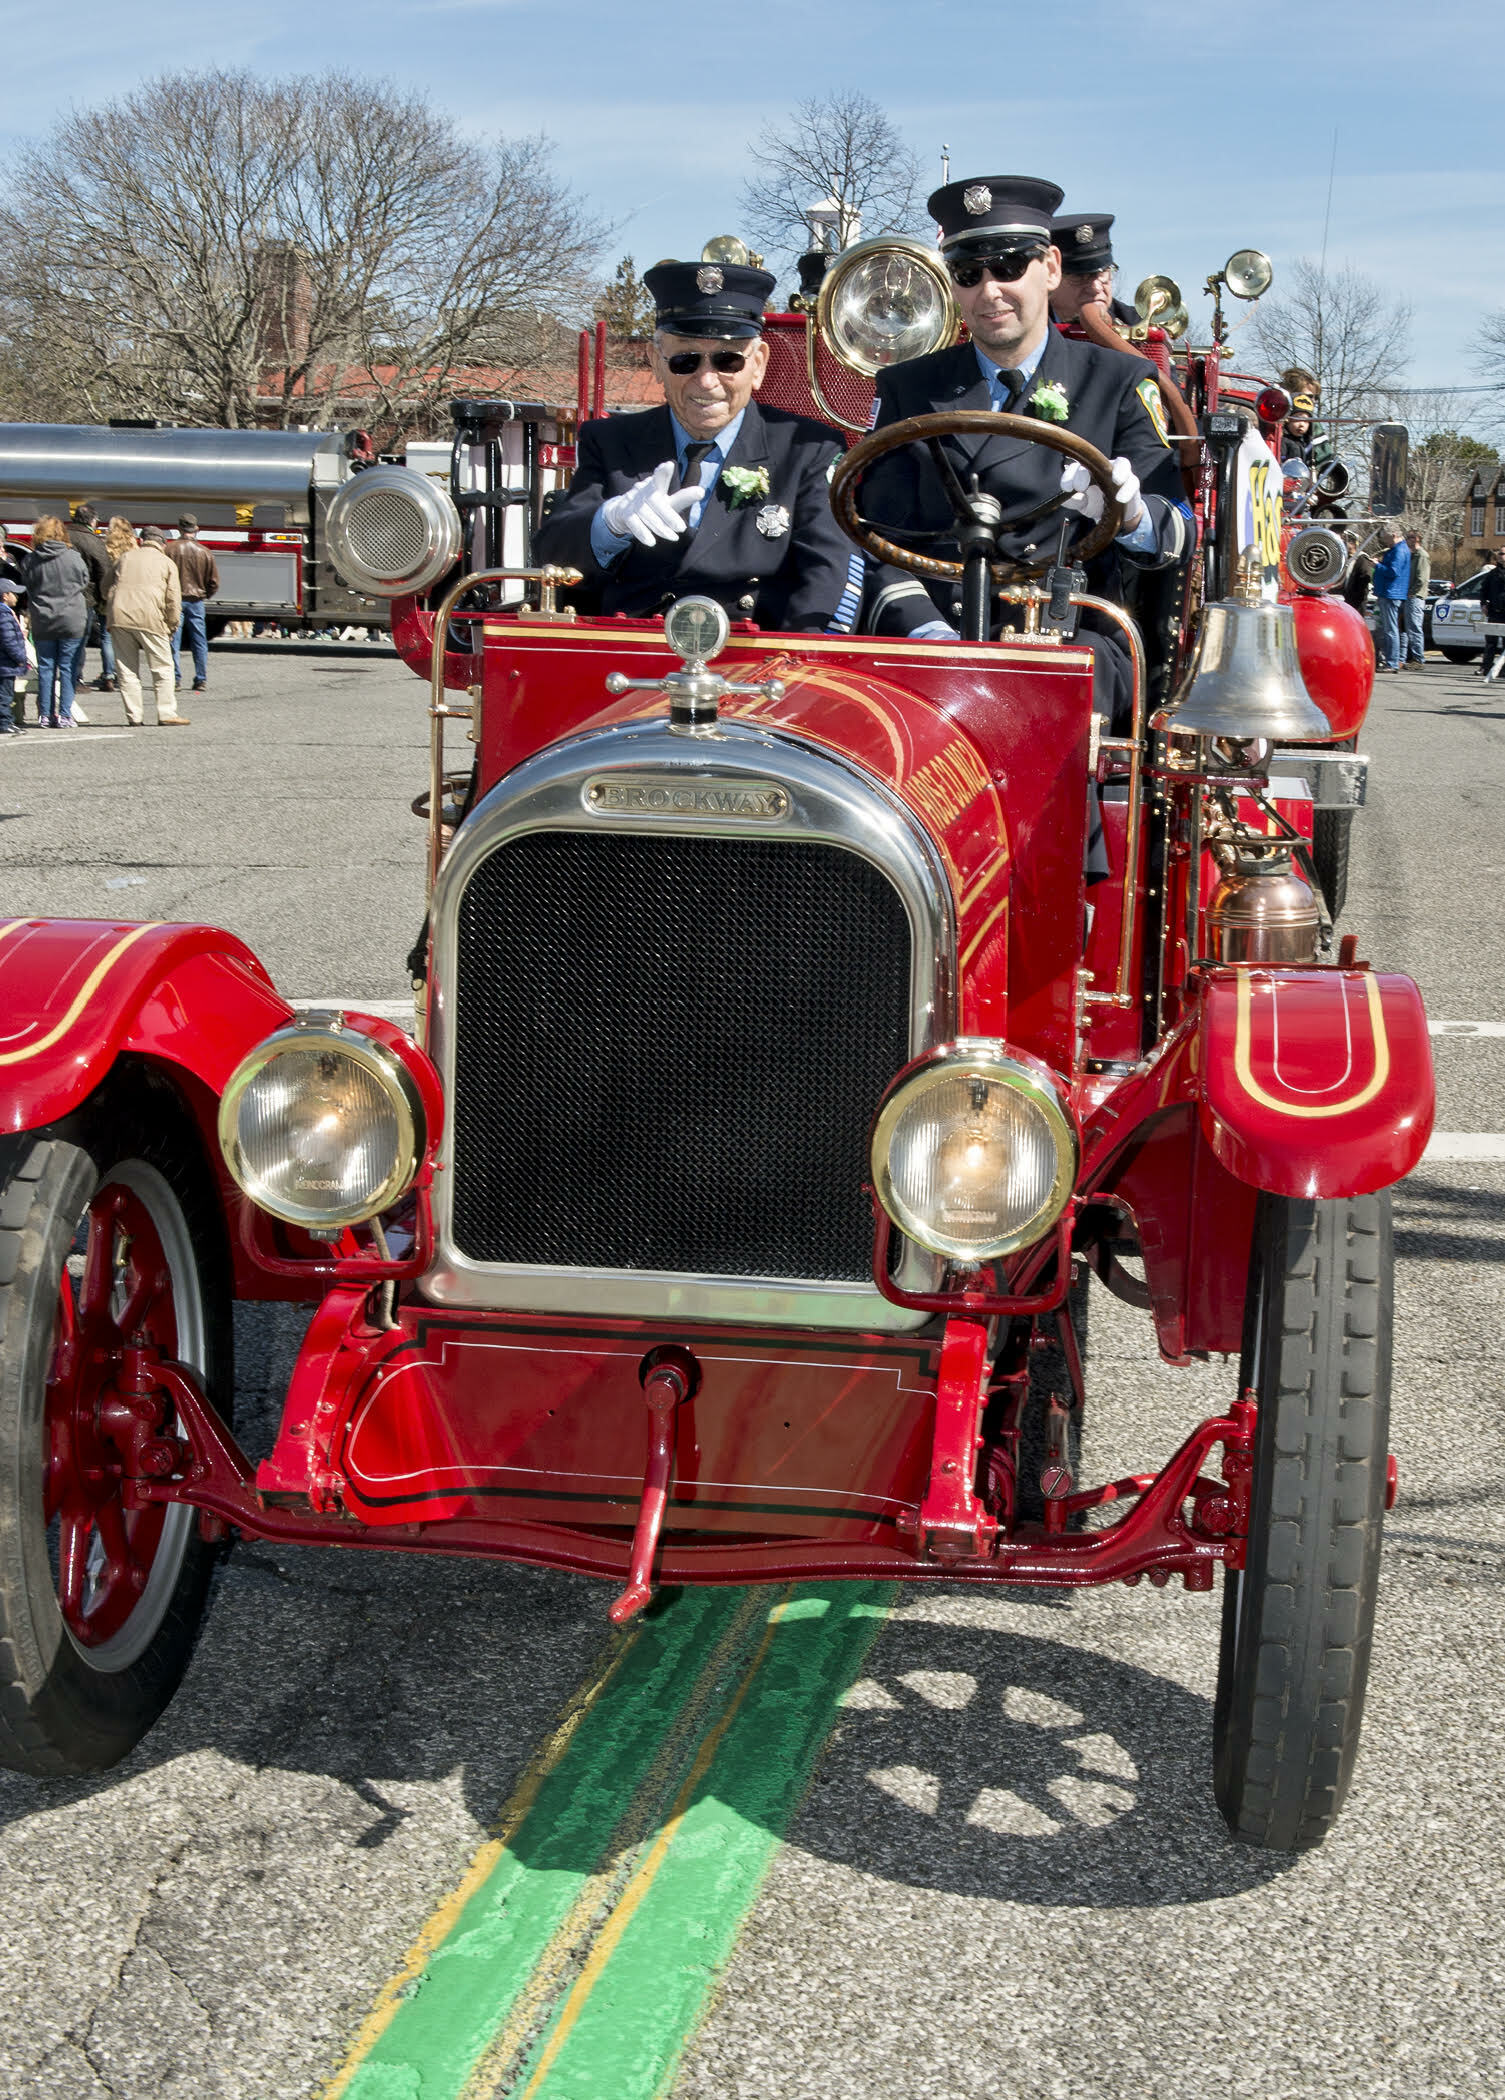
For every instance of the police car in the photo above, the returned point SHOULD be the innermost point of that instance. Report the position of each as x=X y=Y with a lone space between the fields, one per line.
x=1456 y=621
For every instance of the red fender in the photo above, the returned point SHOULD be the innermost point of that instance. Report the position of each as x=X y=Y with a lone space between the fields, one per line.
x=1314 y=1082
x=1337 y=660
x=75 y=994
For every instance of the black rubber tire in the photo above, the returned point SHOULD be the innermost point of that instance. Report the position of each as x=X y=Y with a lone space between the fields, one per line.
x=1459 y=656
x=60 y=1713
x=1298 y=1619
x=1332 y=830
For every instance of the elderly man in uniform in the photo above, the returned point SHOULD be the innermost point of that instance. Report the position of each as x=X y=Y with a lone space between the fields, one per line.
x=998 y=243
x=711 y=494
x=1083 y=242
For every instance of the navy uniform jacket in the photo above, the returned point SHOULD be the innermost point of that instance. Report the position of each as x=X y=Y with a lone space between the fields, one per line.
x=792 y=580
x=1108 y=394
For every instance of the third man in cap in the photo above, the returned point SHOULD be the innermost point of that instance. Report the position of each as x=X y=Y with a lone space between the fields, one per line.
x=1085 y=245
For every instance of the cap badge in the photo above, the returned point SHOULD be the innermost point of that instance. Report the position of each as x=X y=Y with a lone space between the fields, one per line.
x=772 y=521
x=977 y=198
x=1083 y=236
x=710 y=279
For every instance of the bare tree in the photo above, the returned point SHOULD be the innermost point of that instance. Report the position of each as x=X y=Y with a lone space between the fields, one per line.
x=1488 y=345
x=1341 y=326
x=841 y=147
x=219 y=249
x=1441 y=467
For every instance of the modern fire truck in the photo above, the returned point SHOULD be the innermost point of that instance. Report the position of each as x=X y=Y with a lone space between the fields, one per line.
x=261 y=497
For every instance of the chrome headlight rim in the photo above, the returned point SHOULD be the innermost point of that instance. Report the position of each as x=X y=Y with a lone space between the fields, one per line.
x=329 y=1030
x=864 y=251
x=998 y=1063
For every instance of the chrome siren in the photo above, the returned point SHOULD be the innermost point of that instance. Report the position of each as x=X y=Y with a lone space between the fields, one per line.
x=1316 y=558
x=392 y=532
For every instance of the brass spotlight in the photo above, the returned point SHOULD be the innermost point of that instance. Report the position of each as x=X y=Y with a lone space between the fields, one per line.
x=726 y=248
x=1247 y=273
x=884 y=301
x=880 y=303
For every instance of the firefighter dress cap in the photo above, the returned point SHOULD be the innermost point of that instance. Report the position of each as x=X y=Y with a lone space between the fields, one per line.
x=1083 y=239
x=995 y=211
x=708 y=298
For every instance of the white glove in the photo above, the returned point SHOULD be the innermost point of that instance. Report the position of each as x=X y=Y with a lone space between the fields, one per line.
x=1082 y=494
x=648 y=511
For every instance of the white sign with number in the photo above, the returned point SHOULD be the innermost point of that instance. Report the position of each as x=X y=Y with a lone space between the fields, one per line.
x=1259 y=498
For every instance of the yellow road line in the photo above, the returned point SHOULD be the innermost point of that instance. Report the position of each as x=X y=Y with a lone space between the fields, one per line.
x=595 y=1897
x=442 y=1921
x=638 y=1887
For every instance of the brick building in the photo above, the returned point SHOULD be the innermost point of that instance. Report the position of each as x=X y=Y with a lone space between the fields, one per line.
x=1483 y=516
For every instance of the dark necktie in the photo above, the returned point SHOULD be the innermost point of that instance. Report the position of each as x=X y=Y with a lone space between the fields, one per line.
x=689 y=475
x=1013 y=384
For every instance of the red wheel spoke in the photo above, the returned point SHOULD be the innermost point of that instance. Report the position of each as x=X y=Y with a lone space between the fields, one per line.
x=110 y=1518
x=67 y=1309
x=150 y=1283
x=99 y=1263
x=55 y=1470
x=73 y=1562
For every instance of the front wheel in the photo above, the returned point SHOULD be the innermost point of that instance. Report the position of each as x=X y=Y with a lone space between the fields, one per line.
x=104 y=1240
x=1459 y=656
x=1299 y=1616
x=1332 y=830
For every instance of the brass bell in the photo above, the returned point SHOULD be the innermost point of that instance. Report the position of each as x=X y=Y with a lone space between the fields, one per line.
x=1246 y=676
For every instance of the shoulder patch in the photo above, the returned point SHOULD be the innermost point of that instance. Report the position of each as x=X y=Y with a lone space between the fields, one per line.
x=1149 y=393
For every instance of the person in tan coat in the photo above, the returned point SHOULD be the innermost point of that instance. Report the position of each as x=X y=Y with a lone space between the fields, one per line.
x=146 y=605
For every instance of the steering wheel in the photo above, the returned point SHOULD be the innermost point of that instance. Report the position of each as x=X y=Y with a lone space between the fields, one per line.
x=928 y=431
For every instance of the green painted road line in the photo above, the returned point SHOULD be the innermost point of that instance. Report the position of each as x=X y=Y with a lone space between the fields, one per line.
x=449 y=2012
x=645 y=1986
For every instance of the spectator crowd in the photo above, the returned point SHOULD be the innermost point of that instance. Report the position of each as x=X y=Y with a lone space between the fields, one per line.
x=138 y=597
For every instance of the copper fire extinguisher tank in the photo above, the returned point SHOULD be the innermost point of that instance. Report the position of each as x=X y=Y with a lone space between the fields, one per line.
x=1264 y=909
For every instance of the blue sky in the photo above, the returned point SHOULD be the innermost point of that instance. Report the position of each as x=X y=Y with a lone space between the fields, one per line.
x=1204 y=129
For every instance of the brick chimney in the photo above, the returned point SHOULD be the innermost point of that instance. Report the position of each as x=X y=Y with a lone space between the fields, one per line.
x=284 y=303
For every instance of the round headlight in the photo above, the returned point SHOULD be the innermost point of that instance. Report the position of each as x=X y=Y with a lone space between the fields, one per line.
x=1248 y=273
x=884 y=301
x=974 y=1154
x=390 y=532
x=322 y=1126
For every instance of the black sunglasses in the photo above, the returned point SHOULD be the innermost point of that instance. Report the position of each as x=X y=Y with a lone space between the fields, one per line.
x=683 y=362
x=1008 y=269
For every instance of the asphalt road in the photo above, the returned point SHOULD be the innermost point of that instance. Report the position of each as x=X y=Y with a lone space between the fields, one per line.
x=214 y=1917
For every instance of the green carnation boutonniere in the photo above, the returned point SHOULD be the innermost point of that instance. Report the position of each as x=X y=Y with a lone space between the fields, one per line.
x=1050 y=402
x=745 y=484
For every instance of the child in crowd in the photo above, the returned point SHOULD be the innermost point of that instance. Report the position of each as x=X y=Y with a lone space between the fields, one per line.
x=13 y=663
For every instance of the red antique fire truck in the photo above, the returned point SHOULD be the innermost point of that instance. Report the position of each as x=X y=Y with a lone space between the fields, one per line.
x=773 y=1095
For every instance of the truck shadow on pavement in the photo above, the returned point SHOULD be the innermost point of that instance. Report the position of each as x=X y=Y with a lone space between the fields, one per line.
x=1438 y=1221
x=998 y=1764
x=333 y=1687
x=980 y=1762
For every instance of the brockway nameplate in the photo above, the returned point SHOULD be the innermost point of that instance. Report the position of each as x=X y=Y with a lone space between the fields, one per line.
x=662 y=795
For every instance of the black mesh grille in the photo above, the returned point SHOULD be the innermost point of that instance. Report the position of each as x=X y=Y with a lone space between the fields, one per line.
x=669 y=1051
